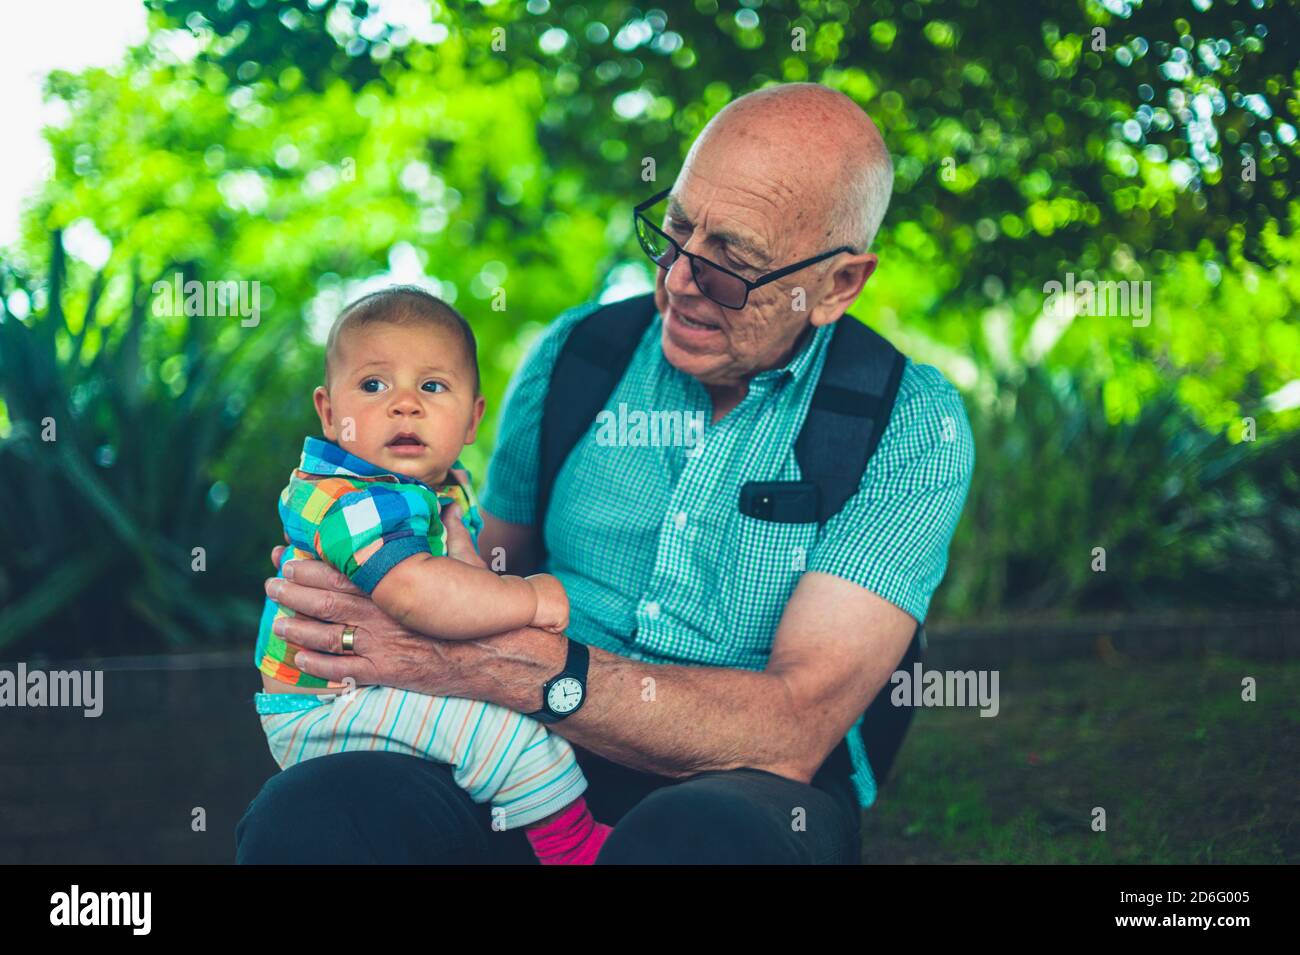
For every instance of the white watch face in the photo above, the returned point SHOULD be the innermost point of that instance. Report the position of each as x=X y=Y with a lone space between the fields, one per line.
x=564 y=695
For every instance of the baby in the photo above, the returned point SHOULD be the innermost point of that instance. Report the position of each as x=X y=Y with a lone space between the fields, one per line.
x=402 y=397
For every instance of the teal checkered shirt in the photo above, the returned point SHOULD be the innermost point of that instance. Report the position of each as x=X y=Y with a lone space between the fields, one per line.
x=646 y=535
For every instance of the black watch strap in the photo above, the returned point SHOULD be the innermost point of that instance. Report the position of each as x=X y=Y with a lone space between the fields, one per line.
x=576 y=662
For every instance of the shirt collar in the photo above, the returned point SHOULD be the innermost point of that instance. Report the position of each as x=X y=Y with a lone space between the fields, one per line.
x=798 y=365
x=325 y=457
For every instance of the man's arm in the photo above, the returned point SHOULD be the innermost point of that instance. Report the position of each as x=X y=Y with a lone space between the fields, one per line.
x=835 y=648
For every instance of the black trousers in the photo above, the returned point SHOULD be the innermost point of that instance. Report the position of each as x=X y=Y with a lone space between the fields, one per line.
x=388 y=808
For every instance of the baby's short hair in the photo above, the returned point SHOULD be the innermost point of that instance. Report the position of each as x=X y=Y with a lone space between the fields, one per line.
x=401 y=305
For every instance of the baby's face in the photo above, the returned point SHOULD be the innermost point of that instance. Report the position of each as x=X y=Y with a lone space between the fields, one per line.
x=401 y=397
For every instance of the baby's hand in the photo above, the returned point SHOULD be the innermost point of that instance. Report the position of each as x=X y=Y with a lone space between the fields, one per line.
x=552 y=603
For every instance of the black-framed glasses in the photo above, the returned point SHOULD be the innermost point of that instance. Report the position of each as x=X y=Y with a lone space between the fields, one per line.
x=716 y=283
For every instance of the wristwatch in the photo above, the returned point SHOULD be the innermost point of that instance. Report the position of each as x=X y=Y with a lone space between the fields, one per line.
x=564 y=693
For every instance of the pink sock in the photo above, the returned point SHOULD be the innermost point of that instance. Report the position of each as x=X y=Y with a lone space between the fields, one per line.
x=571 y=838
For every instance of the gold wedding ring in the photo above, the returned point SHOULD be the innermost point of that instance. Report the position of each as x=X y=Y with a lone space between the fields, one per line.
x=349 y=638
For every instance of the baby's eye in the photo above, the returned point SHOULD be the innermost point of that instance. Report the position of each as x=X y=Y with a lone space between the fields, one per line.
x=378 y=386
x=433 y=385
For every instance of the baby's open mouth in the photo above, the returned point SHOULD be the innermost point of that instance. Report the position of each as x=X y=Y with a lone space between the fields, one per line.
x=406 y=440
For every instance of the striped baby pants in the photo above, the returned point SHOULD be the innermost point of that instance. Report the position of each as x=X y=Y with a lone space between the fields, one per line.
x=497 y=756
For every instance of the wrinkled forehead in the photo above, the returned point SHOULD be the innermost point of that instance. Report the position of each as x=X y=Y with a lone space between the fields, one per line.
x=760 y=178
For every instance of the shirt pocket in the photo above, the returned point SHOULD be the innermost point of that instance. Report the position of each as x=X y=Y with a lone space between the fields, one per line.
x=767 y=560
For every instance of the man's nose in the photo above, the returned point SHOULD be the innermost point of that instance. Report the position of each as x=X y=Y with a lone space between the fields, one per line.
x=680 y=279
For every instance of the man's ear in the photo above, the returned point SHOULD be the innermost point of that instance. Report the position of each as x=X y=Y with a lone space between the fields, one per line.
x=846 y=283
x=325 y=412
x=472 y=434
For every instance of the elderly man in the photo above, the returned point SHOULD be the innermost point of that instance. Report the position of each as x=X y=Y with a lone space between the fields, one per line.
x=729 y=659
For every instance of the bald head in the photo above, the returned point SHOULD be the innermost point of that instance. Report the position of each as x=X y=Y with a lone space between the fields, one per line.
x=832 y=164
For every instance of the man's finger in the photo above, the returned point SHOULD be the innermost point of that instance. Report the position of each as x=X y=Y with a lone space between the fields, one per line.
x=315 y=635
x=317 y=573
x=336 y=669
x=314 y=602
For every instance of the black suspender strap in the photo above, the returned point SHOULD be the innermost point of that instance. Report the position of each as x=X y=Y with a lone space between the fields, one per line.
x=590 y=365
x=848 y=413
x=847 y=416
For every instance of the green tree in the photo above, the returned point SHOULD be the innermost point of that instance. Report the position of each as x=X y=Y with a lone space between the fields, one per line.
x=497 y=149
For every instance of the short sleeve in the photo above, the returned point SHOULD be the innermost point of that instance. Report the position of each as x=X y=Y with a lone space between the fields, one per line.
x=892 y=536
x=366 y=533
x=510 y=492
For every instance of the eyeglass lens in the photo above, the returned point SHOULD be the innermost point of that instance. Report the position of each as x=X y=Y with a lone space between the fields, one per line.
x=727 y=290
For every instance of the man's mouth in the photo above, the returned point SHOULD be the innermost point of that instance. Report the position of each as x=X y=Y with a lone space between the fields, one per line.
x=691 y=323
x=694 y=323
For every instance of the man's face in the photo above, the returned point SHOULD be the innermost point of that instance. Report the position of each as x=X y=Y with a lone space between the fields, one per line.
x=401 y=397
x=749 y=224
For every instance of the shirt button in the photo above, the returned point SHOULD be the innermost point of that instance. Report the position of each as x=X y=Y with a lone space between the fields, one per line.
x=680 y=519
x=652 y=610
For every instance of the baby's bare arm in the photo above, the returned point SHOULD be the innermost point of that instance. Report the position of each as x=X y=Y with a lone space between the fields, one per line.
x=451 y=600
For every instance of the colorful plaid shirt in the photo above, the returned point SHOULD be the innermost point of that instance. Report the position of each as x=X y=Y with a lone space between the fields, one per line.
x=659 y=563
x=362 y=520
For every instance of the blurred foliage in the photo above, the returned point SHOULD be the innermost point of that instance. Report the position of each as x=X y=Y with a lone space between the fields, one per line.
x=1186 y=519
x=322 y=146
x=112 y=475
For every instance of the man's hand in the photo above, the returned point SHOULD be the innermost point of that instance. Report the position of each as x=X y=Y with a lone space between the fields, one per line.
x=384 y=651
x=324 y=602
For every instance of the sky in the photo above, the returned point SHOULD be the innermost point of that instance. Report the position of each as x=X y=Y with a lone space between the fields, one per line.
x=38 y=37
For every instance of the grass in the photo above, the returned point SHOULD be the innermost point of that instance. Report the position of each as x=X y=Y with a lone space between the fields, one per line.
x=1186 y=771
